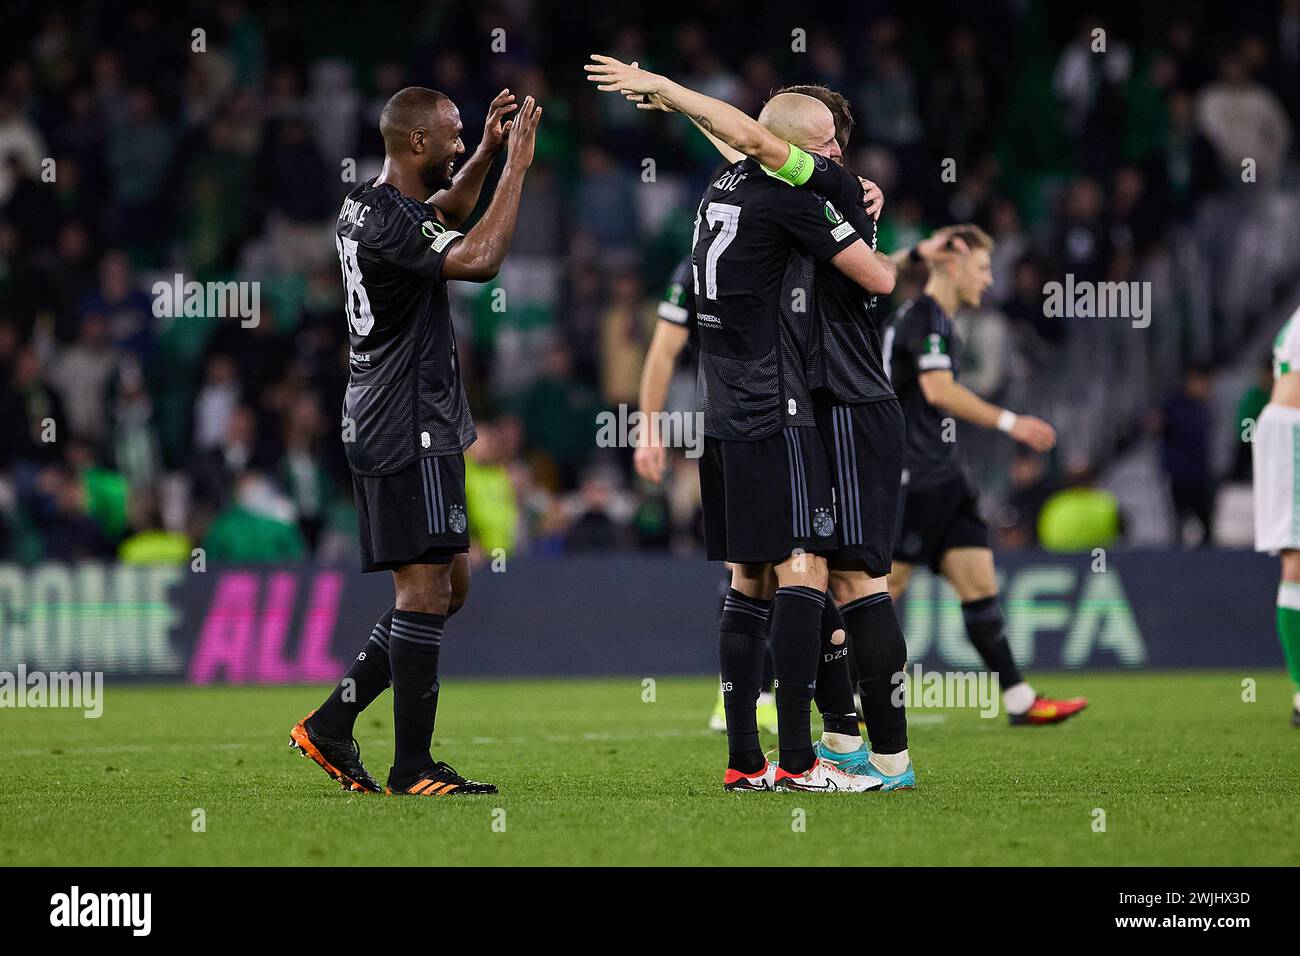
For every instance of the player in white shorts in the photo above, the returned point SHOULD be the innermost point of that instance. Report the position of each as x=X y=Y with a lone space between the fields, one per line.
x=1277 y=492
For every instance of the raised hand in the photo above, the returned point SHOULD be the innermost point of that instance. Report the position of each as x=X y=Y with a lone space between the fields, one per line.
x=942 y=244
x=523 y=133
x=496 y=126
x=614 y=76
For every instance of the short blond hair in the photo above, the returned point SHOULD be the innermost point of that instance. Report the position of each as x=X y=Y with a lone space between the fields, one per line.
x=972 y=235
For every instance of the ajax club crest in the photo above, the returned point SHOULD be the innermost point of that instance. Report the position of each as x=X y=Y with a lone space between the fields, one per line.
x=456 y=519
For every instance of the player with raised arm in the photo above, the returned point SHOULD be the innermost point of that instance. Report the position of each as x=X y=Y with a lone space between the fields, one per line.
x=856 y=412
x=406 y=419
x=806 y=120
x=941 y=524
x=1277 y=492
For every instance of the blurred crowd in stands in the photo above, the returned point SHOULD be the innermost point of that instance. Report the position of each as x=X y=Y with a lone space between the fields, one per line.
x=215 y=141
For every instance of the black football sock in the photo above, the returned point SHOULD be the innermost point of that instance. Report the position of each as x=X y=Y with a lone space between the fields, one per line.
x=987 y=632
x=796 y=645
x=834 y=693
x=365 y=680
x=769 y=671
x=413 y=652
x=742 y=644
x=880 y=652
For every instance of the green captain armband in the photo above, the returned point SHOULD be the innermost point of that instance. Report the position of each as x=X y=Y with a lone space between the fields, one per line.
x=798 y=168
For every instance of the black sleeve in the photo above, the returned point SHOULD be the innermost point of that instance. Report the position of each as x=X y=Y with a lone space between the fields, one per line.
x=678 y=301
x=929 y=342
x=813 y=223
x=832 y=179
x=827 y=177
x=416 y=241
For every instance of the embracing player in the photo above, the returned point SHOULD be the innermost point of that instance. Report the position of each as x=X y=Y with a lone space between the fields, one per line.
x=858 y=417
x=743 y=521
x=406 y=419
x=1277 y=492
x=941 y=525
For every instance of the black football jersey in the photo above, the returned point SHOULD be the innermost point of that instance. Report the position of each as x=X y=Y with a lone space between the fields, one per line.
x=921 y=338
x=404 y=397
x=847 y=354
x=757 y=243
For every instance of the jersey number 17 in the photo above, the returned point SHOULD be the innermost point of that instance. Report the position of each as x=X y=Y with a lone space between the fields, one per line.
x=723 y=219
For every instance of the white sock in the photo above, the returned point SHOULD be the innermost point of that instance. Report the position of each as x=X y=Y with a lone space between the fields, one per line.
x=891 y=764
x=766 y=699
x=1295 y=701
x=841 y=743
x=1018 y=698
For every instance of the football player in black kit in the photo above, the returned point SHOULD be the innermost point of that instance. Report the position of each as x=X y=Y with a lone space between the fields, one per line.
x=743 y=459
x=406 y=420
x=674 y=332
x=941 y=525
x=859 y=419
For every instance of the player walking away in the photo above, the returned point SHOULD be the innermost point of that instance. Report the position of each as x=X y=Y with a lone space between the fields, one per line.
x=858 y=418
x=675 y=330
x=750 y=519
x=406 y=419
x=941 y=525
x=1277 y=492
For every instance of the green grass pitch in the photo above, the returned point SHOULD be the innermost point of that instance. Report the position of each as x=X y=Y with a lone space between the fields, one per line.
x=1184 y=771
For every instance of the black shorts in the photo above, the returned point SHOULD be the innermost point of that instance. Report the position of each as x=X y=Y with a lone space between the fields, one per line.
x=765 y=499
x=937 y=519
x=865 y=443
x=413 y=516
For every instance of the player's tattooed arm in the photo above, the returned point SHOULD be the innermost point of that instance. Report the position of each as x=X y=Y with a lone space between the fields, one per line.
x=649 y=101
x=457 y=201
x=728 y=154
x=478 y=256
x=714 y=117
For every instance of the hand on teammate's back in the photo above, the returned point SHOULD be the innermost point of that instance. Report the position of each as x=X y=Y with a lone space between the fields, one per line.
x=523 y=133
x=1034 y=432
x=873 y=199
